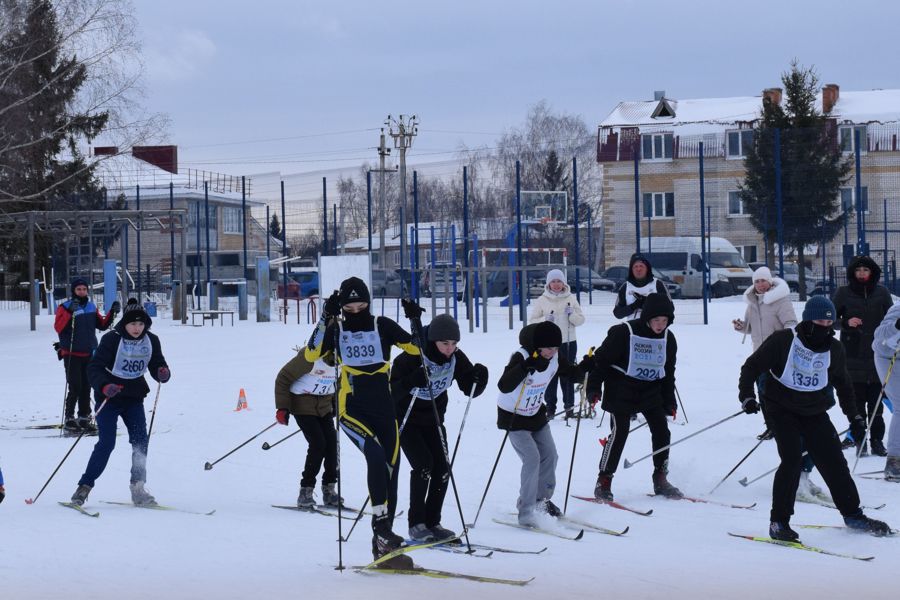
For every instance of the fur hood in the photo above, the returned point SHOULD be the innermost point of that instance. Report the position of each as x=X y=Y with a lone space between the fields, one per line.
x=778 y=291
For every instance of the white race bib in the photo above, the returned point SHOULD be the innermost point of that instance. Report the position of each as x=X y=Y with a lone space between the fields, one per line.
x=646 y=357
x=528 y=396
x=318 y=382
x=805 y=370
x=132 y=358
x=441 y=376
x=360 y=348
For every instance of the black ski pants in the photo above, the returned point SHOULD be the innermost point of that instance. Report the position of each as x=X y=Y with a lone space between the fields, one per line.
x=620 y=423
x=429 y=473
x=79 y=387
x=868 y=402
x=322 y=439
x=816 y=432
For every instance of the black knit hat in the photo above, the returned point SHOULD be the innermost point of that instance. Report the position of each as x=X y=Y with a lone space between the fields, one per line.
x=443 y=327
x=79 y=281
x=354 y=289
x=657 y=305
x=547 y=335
x=134 y=312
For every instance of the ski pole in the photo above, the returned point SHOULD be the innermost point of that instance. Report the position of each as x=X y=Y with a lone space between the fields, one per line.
x=740 y=462
x=267 y=445
x=153 y=413
x=337 y=437
x=628 y=464
x=744 y=482
x=208 y=466
x=582 y=401
x=462 y=425
x=678 y=395
x=80 y=435
x=871 y=420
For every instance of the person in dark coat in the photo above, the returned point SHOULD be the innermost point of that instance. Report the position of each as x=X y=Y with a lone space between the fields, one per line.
x=76 y=321
x=860 y=306
x=635 y=366
x=640 y=284
x=116 y=373
x=421 y=433
x=802 y=363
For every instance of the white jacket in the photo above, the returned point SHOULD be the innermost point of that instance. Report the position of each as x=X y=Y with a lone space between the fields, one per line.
x=768 y=313
x=549 y=303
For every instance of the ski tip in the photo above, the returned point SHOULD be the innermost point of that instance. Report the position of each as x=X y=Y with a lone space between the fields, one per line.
x=579 y=536
x=624 y=531
x=743 y=482
x=627 y=464
x=207 y=467
x=266 y=446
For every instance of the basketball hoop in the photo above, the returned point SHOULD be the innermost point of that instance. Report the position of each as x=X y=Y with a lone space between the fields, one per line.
x=545 y=221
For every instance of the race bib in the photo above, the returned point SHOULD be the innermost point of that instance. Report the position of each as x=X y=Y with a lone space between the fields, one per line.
x=805 y=370
x=360 y=348
x=440 y=376
x=318 y=382
x=132 y=358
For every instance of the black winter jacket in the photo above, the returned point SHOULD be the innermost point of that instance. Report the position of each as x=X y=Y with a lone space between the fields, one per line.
x=105 y=357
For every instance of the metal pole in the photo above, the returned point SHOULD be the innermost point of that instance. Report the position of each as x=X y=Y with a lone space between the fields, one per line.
x=703 y=276
x=575 y=223
x=206 y=214
x=860 y=228
x=468 y=277
x=244 y=222
x=637 y=204
x=334 y=227
x=519 y=242
x=284 y=253
x=324 y=218
x=172 y=237
x=140 y=283
x=778 y=203
x=369 y=209
x=31 y=268
x=268 y=240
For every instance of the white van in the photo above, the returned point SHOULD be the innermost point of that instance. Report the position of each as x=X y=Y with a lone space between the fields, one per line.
x=679 y=258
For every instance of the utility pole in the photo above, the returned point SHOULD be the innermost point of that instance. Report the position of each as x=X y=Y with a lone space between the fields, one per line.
x=403 y=130
x=381 y=222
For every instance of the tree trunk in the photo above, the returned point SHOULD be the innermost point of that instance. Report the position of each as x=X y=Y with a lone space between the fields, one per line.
x=801 y=266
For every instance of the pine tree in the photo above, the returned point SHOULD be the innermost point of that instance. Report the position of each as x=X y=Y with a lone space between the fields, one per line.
x=275 y=227
x=812 y=169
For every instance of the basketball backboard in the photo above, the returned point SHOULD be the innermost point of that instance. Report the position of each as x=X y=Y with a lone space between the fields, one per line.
x=544 y=206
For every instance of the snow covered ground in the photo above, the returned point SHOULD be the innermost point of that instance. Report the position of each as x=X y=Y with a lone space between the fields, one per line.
x=250 y=550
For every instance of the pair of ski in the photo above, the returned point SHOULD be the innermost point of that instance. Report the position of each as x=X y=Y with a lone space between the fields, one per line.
x=376 y=566
x=647 y=513
x=802 y=546
x=89 y=513
x=328 y=510
x=826 y=502
x=570 y=528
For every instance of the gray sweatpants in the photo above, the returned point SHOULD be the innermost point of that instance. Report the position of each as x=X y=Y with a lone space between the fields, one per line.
x=538 y=479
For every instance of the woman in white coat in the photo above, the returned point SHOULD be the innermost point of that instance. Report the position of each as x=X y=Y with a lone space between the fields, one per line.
x=559 y=306
x=769 y=307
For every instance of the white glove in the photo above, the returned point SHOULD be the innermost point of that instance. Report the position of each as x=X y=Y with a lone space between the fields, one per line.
x=551 y=318
x=569 y=310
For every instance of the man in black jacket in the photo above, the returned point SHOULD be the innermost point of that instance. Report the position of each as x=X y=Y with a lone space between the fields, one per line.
x=860 y=306
x=802 y=363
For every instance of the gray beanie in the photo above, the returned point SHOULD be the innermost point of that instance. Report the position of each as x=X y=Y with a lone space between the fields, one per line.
x=443 y=327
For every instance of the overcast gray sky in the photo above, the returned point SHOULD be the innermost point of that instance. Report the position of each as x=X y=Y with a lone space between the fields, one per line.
x=299 y=86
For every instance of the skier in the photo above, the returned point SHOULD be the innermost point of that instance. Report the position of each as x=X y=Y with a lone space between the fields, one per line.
x=557 y=305
x=420 y=434
x=521 y=411
x=639 y=285
x=116 y=373
x=802 y=362
x=860 y=306
x=885 y=347
x=635 y=365
x=76 y=320
x=305 y=390
x=365 y=407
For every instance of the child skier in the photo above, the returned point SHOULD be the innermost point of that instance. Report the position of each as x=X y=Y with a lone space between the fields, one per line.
x=521 y=411
x=305 y=390
x=803 y=362
x=116 y=373
x=636 y=367
x=76 y=320
x=421 y=432
x=365 y=407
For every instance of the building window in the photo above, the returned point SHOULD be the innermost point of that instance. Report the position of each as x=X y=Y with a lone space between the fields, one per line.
x=739 y=143
x=232 y=220
x=659 y=204
x=848 y=203
x=197 y=207
x=735 y=204
x=749 y=253
x=847 y=137
x=657 y=146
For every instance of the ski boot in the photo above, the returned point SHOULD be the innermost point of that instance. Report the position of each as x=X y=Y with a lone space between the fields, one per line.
x=551 y=509
x=330 y=496
x=570 y=413
x=781 y=531
x=847 y=443
x=81 y=494
x=140 y=496
x=603 y=488
x=305 y=499
x=441 y=533
x=892 y=468
x=385 y=541
x=807 y=491
x=661 y=485
x=86 y=425
x=71 y=425
x=863 y=524
x=421 y=533
x=878 y=448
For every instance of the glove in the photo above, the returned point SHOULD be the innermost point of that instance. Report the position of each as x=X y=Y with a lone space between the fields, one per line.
x=411 y=310
x=858 y=429
x=115 y=308
x=479 y=379
x=595 y=399
x=638 y=301
x=569 y=309
x=750 y=406
x=671 y=410
x=282 y=415
x=536 y=363
x=332 y=306
x=587 y=364
x=551 y=318
x=163 y=374
x=111 y=389
x=2 y=493
x=768 y=434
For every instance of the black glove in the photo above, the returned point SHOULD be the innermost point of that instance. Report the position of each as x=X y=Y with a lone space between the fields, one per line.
x=750 y=406
x=587 y=364
x=536 y=363
x=897 y=324
x=57 y=347
x=332 y=306
x=115 y=308
x=768 y=434
x=638 y=301
x=479 y=379
x=416 y=379
x=411 y=310
x=858 y=429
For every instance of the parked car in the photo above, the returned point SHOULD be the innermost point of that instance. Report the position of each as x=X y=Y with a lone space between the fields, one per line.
x=439 y=282
x=389 y=284
x=587 y=279
x=302 y=283
x=680 y=258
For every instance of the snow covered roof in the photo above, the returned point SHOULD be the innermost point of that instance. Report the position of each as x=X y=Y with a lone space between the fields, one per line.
x=881 y=106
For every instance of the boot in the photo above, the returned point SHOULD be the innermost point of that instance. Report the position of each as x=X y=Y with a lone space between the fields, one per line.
x=863 y=524
x=809 y=490
x=878 y=448
x=781 y=530
x=421 y=533
x=81 y=494
x=570 y=413
x=330 y=496
x=85 y=424
x=603 y=489
x=661 y=485
x=441 y=533
x=71 y=424
x=550 y=508
x=892 y=468
x=847 y=443
x=864 y=451
x=305 y=499
x=140 y=496
x=385 y=541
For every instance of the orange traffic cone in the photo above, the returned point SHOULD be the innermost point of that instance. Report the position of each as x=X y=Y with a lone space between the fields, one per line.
x=242 y=401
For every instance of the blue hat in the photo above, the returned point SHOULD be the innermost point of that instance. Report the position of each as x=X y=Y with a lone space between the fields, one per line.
x=818 y=307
